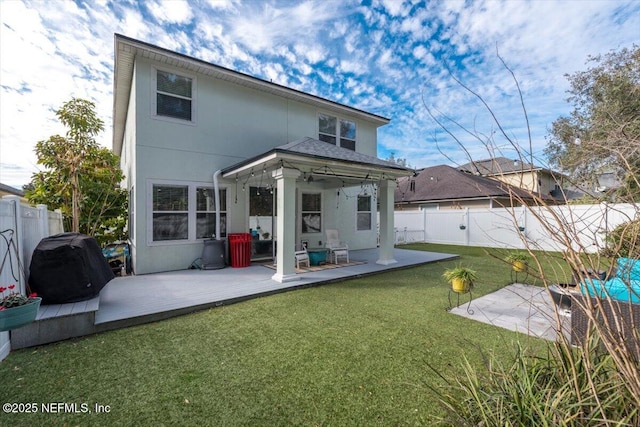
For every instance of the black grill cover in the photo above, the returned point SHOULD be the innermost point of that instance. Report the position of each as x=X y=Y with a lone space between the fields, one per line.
x=68 y=267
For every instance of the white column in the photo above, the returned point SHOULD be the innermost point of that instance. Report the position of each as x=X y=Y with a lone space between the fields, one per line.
x=385 y=194
x=286 y=220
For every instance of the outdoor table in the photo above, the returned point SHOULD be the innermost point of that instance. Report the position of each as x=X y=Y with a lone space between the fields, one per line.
x=317 y=256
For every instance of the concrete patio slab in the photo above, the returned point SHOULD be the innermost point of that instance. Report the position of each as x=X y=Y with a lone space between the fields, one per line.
x=522 y=308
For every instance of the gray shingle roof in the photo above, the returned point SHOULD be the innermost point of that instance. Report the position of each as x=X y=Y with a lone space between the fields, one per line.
x=315 y=148
x=447 y=183
x=11 y=190
x=498 y=165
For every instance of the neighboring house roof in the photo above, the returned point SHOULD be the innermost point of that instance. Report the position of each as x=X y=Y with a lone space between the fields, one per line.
x=500 y=166
x=126 y=50
x=444 y=183
x=314 y=155
x=6 y=189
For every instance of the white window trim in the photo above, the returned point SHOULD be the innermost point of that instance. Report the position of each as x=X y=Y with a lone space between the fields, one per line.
x=302 y=192
x=191 y=212
x=337 y=134
x=154 y=98
x=132 y=215
x=370 y=213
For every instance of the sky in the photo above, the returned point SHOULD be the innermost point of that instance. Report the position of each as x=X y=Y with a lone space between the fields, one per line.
x=398 y=59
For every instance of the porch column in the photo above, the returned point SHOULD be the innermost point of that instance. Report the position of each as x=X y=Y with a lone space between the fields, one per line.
x=385 y=195
x=286 y=220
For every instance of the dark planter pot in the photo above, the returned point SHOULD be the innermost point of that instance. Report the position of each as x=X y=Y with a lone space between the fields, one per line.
x=561 y=295
x=15 y=317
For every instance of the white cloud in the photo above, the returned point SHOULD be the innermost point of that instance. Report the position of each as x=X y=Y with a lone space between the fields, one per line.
x=382 y=58
x=171 y=11
x=395 y=7
x=260 y=26
x=313 y=53
x=221 y=4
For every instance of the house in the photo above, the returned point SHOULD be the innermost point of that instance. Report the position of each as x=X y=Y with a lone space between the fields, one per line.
x=208 y=151
x=518 y=173
x=444 y=187
x=7 y=190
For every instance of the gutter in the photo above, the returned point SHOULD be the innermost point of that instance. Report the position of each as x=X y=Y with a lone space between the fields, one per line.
x=216 y=198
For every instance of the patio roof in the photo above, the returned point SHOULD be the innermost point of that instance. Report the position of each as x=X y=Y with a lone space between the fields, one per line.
x=319 y=158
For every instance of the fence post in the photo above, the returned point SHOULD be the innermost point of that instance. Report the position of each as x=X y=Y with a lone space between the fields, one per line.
x=424 y=225
x=466 y=224
x=60 y=222
x=44 y=220
x=525 y=225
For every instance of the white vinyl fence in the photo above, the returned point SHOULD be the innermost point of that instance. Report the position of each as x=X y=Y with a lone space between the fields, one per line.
x=516 y=228
x=21 y=227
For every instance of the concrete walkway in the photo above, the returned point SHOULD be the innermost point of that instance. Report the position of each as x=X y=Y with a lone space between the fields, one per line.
x=521 y=308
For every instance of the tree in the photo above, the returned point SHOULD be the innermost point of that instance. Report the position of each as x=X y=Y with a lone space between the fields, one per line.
x=602 y=133
x=80 y=177
x=398 y=161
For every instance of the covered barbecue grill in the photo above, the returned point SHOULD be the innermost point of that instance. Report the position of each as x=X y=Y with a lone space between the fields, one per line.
x=68 y=267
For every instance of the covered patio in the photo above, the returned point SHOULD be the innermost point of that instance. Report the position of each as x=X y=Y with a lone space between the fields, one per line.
x=340 y=176
x=134 y=300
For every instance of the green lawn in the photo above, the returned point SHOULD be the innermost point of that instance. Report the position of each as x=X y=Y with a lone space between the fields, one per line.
x=359 y=352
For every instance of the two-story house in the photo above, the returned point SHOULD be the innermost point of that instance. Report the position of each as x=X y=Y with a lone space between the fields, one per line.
x=209 y=151
x=518 y=173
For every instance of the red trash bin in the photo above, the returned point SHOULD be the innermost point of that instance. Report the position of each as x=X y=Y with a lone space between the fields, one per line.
x=240 y=248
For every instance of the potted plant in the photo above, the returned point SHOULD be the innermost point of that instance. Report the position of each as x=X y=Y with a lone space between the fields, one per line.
x=518 y=260
x=17 y=310
x=460 y=278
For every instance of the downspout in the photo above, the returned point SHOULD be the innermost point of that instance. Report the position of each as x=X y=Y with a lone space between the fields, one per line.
x=216 y=198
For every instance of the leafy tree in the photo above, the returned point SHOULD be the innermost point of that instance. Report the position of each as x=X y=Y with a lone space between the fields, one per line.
x=399 y=160
x=80 y=177
x=602 y=133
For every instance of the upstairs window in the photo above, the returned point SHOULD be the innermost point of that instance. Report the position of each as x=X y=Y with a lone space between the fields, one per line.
x=174 y=95
x=337 y=131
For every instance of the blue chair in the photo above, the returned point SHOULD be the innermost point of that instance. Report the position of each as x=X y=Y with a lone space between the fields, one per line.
x=623 y=286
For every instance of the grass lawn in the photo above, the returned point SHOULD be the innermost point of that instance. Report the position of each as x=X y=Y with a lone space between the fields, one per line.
x=357 y=352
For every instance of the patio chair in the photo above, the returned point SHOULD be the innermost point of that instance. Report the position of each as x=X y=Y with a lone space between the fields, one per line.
x=302 y=256
x=337 y=249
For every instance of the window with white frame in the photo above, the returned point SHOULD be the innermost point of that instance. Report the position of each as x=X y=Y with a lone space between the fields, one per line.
x=311 y=213
x=185 y=212
x=337 y=131
x=174 y=96
x=206 y=213
x=170 y=212
x=363 y=220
